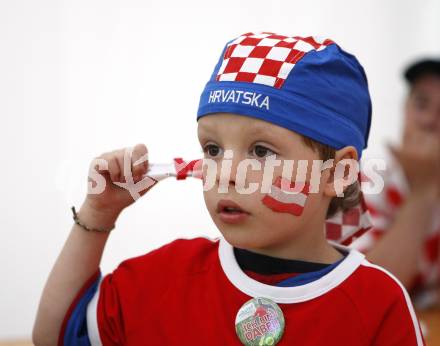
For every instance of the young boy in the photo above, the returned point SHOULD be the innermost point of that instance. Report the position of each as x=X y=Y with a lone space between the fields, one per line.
x=273 y=278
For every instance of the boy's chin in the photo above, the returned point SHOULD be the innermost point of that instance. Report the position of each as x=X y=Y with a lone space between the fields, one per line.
x=247 y=239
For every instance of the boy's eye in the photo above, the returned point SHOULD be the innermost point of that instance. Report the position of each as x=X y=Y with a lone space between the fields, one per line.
x=261 y=151
x=258 y=151
x=211 y=150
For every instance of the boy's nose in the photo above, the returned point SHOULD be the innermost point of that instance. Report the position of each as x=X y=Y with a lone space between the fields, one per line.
x=227 y=170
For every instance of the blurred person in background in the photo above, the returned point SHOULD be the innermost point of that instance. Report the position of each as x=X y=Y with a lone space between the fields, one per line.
x=406 y=214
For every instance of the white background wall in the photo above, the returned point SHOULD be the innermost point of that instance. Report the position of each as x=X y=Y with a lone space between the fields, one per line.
x=78 y=78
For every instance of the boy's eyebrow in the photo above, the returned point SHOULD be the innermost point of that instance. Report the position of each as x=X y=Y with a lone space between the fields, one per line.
x=206 y=128
x=255 y=130
x=204 y=132
x=261 y=130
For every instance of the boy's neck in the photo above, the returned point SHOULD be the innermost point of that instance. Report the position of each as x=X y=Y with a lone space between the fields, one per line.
x=321 y=252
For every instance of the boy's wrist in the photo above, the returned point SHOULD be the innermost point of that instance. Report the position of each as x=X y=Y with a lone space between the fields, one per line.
x=97 y=218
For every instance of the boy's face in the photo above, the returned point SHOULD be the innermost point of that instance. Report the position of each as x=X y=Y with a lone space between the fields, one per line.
x=250 y=138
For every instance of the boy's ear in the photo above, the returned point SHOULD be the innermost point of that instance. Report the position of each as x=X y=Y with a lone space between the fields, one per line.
x=343 y=173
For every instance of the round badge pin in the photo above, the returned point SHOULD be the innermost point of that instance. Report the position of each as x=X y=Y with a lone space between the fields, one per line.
x=259 y=322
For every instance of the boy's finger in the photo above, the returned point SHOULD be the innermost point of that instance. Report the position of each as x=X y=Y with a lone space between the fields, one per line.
x=114 y=169
x=139 y=160
x=124 y=169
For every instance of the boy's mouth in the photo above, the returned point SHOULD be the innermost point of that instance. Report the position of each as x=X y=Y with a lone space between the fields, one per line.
x=229 y=207
x=230 y=212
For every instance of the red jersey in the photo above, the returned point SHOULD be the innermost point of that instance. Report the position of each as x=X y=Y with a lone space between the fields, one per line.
x=188 y=292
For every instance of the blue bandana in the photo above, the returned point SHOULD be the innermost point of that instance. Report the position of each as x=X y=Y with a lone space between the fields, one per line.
x=305 y=84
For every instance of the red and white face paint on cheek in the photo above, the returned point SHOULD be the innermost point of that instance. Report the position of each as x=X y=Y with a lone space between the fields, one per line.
x=281 y=199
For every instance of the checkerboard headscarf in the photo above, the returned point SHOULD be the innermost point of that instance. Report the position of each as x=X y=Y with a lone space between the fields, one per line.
x=305 y=84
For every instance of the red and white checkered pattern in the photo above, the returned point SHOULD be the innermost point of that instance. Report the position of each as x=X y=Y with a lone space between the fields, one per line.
x=265 y=58
x=345 y=227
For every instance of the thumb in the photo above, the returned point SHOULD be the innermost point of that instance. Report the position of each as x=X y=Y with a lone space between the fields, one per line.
x=143 y=192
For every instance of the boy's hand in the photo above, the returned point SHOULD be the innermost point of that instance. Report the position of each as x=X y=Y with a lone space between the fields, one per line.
x=104 y=196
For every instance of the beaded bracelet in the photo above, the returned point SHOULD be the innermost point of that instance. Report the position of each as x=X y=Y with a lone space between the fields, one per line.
x=79 y=223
